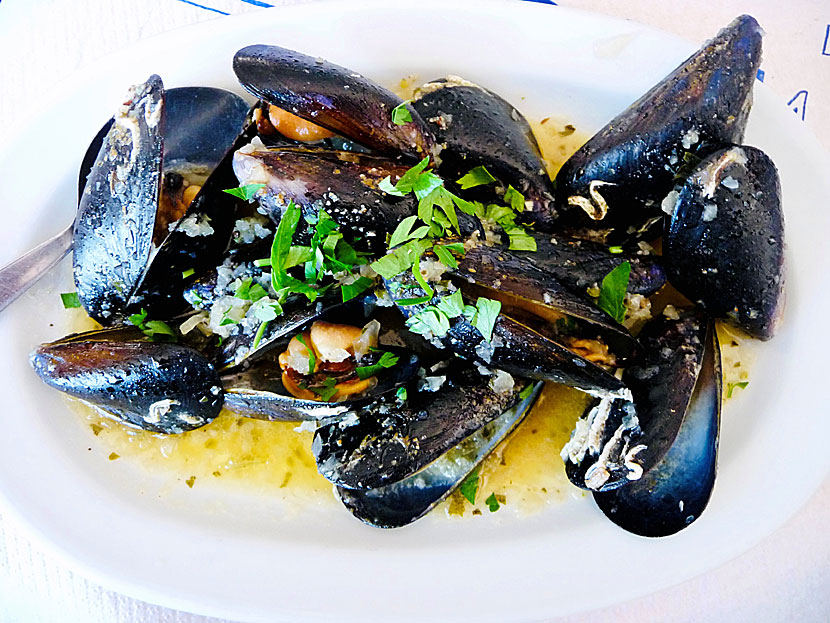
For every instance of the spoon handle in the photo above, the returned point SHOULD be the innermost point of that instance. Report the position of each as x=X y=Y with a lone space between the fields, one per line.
x=21 y=274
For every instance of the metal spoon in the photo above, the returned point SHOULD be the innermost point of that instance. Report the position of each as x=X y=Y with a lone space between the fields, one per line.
x=202 y=123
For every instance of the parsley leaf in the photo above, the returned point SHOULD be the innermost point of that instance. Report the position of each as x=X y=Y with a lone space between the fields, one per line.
x=400 y=259
x=387 y=360
x=452 y=305
x=153 y=328
x=615 y=250
x=401 y=394
x=612 y=292
x=351 y=290
x=515 y=199
x=403 y=232
x=266 y=310
x=246 y=192
x=70 y=300
x=526 y=392
x=492 y=503
x=401 y=114
x=187 y=273
x=469 y=487
x=485 y=318
x=476 y=177
x=312 y=358
x=429 y=321
x=327 y=390
x=731 y=387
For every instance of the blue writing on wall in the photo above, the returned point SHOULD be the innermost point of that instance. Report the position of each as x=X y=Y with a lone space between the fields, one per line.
x=799 y=104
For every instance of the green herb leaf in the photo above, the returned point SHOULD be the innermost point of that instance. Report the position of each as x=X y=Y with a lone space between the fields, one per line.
x=266 y=310
x=526 y=392
x=445 y=257
x=246 y=192
x=139 y=318
x=70 y=300
x=351 y=290
x=401 y=114
x=312 y=358
x=403 y=231
x=476 y=177
x=327 y=390
x=492 y=503
x=487 y=313
x=187 y=273
x=157 y=327
x=612 y=292
x=615 y=250
x=401 y=394
x=259 y=333
x=416 y=272
x=400 y=259
x=429 y=321
x=515 y=199
x=731 y=387
x=298 y=255
x=469 y=487
x=452 y=305
x=387 y=360
x=281 y=245
x=389 y=188
x=520 y=240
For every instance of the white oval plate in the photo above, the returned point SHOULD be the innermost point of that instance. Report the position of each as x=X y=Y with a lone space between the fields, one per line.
x=239 y=555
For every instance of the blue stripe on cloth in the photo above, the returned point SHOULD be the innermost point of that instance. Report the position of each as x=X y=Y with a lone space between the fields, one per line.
x=543 y=2
x=202 y=6
x=257 y=3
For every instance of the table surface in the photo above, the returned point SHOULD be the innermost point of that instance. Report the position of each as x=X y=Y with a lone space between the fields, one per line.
x=785 y=577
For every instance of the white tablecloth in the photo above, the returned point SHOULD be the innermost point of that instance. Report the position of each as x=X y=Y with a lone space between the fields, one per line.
x=784 y=578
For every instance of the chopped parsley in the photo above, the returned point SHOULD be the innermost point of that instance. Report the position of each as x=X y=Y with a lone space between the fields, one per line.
x=327 y=390
x=246 y=192
x=485 y=318
x=250 y=291
x=732 y=386
x=156 y=330
x=615 y=250
x=70 y=300
x=259 y=333
x=476 y=177
x=469 y=486
x=492 y=503
x=387 y=360
x=401 y=394
x=187 y=273
x=312 y=358
x=401 y=114
x=356 y=288
x=526 y=392
x=612 y=292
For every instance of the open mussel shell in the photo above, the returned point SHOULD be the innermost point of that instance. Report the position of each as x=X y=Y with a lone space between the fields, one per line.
x=407 y=500
x=344 y=184
x=331 y=96
x=617 y=441
x=615 y=183
x=582 y=264
x=258 y=391
x=114 y=225
x=724 y=244
x=675 y=491
x=114 y=267
x=155 y=386
x=476 y=127
x=386 y=442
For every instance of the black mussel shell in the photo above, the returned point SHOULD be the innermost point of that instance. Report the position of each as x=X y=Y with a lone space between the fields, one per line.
x=114 y=225
x=724 y=244
x=407 y=500
x=331 y=96
x=258 y=391
x=385 y=442
x=344 y=184
x=675 y=491
x=615 y=184
x=582 y=264
x=155 y=386
x=522 y=286
x=476 y=127
x=602 y=452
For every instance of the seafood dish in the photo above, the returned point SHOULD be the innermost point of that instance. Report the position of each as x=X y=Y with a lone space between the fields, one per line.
x=403 y=277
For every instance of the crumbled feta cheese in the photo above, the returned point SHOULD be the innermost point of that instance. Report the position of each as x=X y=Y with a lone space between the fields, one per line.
x=710 y=212
x=670 y=202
